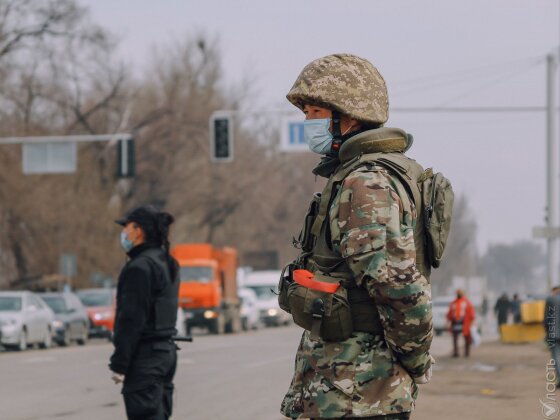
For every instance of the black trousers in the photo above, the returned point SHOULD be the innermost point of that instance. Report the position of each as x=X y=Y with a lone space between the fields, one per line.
x=456 y=335
x=148 y=385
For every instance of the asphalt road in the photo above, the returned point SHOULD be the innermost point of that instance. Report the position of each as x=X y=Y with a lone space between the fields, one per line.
x=229 y=377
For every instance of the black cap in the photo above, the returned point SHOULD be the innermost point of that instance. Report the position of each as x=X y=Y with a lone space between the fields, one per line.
x=145 y=216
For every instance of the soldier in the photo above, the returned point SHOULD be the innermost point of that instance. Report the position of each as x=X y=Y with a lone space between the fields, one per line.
x=362 y=232
x=145 y=357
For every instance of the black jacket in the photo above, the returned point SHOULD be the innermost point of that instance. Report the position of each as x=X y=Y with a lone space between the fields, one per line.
x=147 y=299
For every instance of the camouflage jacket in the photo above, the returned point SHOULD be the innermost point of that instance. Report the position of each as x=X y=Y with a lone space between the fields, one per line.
x=372 y=223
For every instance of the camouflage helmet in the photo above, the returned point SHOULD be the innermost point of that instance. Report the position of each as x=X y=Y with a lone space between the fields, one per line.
x=346 y=83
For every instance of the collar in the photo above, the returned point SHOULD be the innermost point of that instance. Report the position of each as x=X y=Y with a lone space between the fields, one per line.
x=379 y=140
x=326 y=166
x=138 y=249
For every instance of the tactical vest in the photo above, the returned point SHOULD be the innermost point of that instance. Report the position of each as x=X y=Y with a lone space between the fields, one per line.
x=315 y=239
x=163 y=316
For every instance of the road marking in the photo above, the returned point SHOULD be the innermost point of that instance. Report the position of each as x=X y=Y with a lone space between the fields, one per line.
x=270 y=361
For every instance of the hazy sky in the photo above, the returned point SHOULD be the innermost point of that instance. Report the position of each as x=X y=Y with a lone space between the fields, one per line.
x=431 y=53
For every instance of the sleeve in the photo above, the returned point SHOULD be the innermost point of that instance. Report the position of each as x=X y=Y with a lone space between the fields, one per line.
x=376 y=232
x=132 y=314
x=472 y=312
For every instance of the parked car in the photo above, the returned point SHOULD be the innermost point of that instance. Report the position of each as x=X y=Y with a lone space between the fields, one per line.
x=250 y=319
x=100 y=305
x=264 y=284
x=440 y=307
x=24 y=320
x=71 y=322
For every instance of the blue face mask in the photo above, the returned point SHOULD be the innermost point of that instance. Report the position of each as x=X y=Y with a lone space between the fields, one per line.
x=125 y=242
x=317 y=135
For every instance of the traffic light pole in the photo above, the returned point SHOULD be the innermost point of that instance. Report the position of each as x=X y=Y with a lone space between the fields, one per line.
x=552 y=157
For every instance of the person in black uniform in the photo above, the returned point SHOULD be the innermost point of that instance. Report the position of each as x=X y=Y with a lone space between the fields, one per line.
x=145 y=357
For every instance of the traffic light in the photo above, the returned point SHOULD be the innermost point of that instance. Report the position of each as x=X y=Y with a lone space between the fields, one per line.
x=125 y=158
x=221 y=137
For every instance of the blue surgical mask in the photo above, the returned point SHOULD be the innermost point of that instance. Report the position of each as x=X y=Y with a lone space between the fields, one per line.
x=125 y=242
x=317 y=135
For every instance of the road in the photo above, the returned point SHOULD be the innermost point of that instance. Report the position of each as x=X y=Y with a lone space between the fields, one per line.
x=226 y=377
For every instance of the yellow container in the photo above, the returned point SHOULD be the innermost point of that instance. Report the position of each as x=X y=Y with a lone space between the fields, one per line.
x=522 y=333
x=532 y=311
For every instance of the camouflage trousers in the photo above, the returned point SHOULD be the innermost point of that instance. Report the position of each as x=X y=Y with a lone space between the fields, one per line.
x=399 y=416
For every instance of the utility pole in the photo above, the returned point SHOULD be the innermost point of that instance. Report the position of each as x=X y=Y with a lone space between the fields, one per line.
x=552 y=158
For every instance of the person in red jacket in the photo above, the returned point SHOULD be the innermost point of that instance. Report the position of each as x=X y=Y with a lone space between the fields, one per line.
x=461 y=316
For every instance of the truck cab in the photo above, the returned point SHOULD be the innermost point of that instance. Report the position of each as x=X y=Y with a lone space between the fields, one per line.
x=208 y=290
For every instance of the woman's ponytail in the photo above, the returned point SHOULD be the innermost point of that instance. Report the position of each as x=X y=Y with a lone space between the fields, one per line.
x=164 y=220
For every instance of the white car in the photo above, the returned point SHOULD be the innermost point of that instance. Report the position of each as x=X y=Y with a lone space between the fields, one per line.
x=265 y=285
x=25 y=319
x=440 y=307
x=250 y=319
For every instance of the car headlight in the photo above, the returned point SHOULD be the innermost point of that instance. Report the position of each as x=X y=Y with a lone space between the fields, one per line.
x=210 y=314
x=8 y=322
x=57 y=324
x=99 y=316
x=272 y=312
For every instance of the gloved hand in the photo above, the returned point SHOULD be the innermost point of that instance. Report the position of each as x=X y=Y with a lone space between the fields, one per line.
x=117 y=378
x=427 y=376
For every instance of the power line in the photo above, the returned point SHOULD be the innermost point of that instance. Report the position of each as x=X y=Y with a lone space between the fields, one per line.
x=493 y=82
x=472 y=109
x=475 y=70
x=455 y=78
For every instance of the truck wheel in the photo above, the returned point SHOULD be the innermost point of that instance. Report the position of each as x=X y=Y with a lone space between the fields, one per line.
x=217 y=325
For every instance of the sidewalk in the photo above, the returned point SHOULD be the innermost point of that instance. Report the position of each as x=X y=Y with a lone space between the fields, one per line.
x=497 y=382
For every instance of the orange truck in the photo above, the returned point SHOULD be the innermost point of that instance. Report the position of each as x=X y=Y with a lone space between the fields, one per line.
x=208 y=290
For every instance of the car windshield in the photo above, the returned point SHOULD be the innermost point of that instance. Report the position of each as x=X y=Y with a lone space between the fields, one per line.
x=199 y=274
x=263 y=292
x=10 y=303
x=56 y=303
x=96 y=298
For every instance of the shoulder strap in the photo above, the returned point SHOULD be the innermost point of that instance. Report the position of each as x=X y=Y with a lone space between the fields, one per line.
x=408 y=172
x=327 y=193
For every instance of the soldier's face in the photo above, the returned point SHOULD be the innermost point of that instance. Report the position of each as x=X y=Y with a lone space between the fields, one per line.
x=314 y=112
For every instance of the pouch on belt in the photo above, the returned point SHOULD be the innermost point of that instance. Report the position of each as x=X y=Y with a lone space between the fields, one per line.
x=318 y=303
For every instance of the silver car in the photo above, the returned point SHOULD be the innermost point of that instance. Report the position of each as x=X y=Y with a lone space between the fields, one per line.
x=71 y=322
x=24 y=319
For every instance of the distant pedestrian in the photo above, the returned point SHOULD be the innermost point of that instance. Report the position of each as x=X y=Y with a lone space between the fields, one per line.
x=145 y=357
x=484 y=306
x=516 y=309
x=502 y=309
x=552 y=328
x=461 y=315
